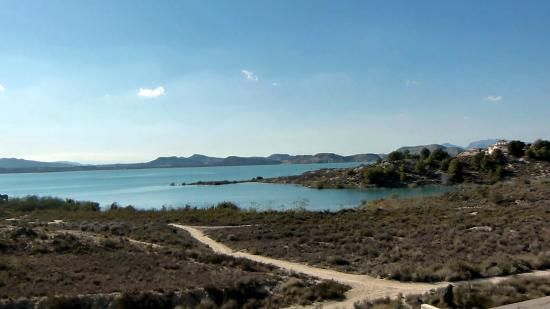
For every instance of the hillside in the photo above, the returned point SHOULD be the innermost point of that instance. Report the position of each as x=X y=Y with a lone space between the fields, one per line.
x=415 y=150
x=436 y=167
x=21 y=163
x=324 y=158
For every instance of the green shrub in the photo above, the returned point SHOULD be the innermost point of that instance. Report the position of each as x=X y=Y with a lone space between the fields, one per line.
x=539 y=150
x=455 y=170
x=227 y=206
x=395 y=156
x=33 y=202
x=381 y=176
x=516 y=148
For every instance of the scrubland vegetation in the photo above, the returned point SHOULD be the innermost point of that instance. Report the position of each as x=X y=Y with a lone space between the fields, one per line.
x=468 y=296
x=92 y=259
x=478 y=231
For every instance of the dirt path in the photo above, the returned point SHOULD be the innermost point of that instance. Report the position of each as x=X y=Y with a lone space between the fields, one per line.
x=362 y=286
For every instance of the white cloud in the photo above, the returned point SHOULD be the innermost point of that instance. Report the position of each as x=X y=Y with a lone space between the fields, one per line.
x=411 y=82
x=274 y=84
x=2 y=88
x=151 y=93
x=250 y=75
x=494 y=98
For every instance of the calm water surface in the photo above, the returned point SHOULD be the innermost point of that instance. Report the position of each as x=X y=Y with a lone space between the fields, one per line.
x=149 y=188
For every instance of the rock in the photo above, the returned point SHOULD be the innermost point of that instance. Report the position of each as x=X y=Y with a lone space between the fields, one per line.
x=119 y=229
x=447 y=296
x=25 y=231
x=483 y=228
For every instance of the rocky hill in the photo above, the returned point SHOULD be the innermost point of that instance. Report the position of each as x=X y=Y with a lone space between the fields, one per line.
x=324 y=158
x=21 y=163
x=415 y=150
x=436 y=168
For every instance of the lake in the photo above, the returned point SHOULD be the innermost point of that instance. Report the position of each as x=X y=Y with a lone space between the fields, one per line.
x=149 y=188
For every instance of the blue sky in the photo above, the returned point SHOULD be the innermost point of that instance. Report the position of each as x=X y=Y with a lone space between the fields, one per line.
x=126 y=81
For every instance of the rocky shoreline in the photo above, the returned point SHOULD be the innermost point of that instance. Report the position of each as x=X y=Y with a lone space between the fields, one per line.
x=218 y=182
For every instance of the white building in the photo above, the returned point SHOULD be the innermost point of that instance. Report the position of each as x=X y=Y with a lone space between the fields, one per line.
x=502 y=145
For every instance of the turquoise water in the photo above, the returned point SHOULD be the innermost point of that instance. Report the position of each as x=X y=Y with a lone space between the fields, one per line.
x=149 y=188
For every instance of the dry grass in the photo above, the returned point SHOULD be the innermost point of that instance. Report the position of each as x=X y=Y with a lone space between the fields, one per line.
x=60 y=262
x=480 y=231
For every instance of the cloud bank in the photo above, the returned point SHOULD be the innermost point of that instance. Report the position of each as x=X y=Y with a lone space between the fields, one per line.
x=2 y=88
x=151 y=93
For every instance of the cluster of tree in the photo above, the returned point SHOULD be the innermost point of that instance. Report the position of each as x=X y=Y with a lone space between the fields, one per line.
x=433 y=159
x=400 y=163
x=427 y=162
x=455 y=170
x=516 y=148
x=437 y=159
x=539 y=150
x=492 y=164
x=382 y=176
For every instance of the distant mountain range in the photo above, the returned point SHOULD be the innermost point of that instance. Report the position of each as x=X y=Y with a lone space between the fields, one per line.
x=20 y=163
x=196 y=160
x=201 y=160
x=12 y=165
x=482 y=143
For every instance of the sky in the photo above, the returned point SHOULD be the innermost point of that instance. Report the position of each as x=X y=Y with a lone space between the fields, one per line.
x=128 y=81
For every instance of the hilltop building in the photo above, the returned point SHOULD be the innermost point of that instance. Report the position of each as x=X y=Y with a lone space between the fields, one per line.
x=501 y=145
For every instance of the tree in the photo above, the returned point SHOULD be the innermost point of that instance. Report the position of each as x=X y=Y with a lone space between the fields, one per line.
x=402 y=174
x=374 y=175
x=424 y=153
x=445 y=164
x=395 y=156
x=498 y=157
x=530 y=153
x=438 y=154
x=381 y=176
x=476 y=161
x=487 y=163
x=455 y=170
x=496 y=174
x=516 y=148
x=544 y=153
x=420 y=167
x=539 y=150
